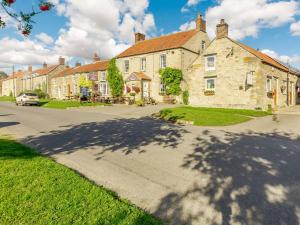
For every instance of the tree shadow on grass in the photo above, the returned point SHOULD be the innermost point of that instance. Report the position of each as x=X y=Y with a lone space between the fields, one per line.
x=253 y=178
x=10 y=149
x=124 y=135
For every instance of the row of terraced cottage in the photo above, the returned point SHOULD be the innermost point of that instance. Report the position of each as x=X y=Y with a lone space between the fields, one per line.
x=217 y=73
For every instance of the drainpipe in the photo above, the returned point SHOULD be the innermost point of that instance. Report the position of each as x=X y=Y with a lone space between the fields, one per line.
x=288 y=87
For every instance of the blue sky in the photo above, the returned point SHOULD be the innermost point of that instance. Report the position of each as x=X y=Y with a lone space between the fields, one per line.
x=76 y=29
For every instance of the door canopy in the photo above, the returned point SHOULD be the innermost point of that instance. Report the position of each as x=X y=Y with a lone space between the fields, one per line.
x=137 y=76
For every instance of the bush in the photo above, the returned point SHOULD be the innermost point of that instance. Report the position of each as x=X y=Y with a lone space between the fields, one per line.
x=185 y=97
x=115 y=79
x=139 y=103
x=40 y=93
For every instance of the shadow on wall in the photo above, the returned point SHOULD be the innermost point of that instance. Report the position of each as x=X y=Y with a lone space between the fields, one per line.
x=253 y=178
x=124 y=135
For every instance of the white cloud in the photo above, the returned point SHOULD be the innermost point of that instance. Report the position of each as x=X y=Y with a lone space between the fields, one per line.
x=293 y=60
x=45 y=38
x=189 y=4
x=247 y=18
x=295 y=28
x=188 y=26
x=103 y=26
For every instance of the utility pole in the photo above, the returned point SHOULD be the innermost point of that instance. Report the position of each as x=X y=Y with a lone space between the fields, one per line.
x=14 y=85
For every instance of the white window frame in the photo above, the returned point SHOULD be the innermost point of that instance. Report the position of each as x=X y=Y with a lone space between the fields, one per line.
x=249 y=78
x=143 y=64
x=103 y=91
x=163 y=61
x=206 y=82
x=103 y=76
x=269 y=84
x=210 y=68
x=162 y=87
x=126 y=66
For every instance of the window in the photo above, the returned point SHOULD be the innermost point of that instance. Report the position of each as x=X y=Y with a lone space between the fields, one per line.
x=203 y=45
x=143 y=64
x=249 y=78
x=162 y=87
x=210 y=63
x=103 y=76
x=163 y=61
x=103 y=88
x=269 y=84
x=75 y=85
x=210 y=84
x=126 y=65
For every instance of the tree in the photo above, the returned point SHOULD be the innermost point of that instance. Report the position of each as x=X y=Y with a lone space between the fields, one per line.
x=3 y=75
x=171 y=78
x=84 y=82
x=25 y=20
x=115 y=79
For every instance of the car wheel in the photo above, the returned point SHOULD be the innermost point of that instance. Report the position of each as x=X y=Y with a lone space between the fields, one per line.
x=17 y=104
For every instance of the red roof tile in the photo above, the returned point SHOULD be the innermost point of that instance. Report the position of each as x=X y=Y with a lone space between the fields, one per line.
x=45 y=71
x=96 y=66
x=171 y=41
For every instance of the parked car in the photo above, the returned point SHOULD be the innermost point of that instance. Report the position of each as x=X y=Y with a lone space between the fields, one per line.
x=27 y=99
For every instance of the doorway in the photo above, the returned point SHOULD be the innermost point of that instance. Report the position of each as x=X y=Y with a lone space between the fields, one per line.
x=146 y=91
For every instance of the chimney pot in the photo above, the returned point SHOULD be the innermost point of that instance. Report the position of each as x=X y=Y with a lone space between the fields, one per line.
x=61 y=61
x=29 y=68
x=78 y=64
x=200 y=23
x=96 y=57
x=222 y=29
x=139 y=37
x=45 y=65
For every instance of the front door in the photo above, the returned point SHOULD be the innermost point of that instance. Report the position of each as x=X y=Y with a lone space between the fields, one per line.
x=146 y=90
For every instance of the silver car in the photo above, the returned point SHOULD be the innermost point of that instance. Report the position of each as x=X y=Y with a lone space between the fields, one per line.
x=27 y=99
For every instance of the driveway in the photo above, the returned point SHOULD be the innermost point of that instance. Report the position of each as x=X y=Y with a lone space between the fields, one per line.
x=243 y=174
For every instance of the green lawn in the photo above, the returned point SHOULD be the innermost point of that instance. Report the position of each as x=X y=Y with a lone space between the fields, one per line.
x=211 y=116
x=7 y=99
x=67 y=104
x=36 y=190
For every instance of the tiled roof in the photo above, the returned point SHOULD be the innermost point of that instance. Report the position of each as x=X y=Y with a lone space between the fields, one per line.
x=44 y=71
x=96 y=66
x=65 y=72
x=139 y=76
x=171 y=41
x=18 y=74
x=264 y=57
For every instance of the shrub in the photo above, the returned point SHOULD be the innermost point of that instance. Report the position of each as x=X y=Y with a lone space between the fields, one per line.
x=40 y=93
x=185 y=97
x=139 y=103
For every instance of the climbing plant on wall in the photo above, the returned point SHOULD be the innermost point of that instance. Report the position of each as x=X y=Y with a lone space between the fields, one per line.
x=171 y=78
x=115 y=79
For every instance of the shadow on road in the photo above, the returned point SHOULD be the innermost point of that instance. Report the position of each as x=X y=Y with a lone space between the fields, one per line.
x=7 y=124
x=254 y=178
x=125 y=135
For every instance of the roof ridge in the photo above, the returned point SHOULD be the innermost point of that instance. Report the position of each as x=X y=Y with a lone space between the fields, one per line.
x=166 y=35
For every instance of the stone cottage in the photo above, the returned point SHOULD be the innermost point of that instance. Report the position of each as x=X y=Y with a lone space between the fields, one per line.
x=231 y=74
x=140 y=64
x=12 y=85
x=65 y=84
x=40 y=78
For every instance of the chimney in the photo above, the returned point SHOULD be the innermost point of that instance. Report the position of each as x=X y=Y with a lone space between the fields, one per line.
x=222 y=29
x=45 y=65
x=77 y=64
x=200 y=23
x=30 y=69
x=61 y=61
x=96 y=57
x=139 y=37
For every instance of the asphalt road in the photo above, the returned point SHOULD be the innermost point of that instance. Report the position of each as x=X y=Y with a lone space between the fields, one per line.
x=243 y=174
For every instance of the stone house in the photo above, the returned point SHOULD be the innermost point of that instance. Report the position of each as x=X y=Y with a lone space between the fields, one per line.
x=231 y=74
x=140 y=64
x=12 y=84
x=40 y=78
x=66 y=83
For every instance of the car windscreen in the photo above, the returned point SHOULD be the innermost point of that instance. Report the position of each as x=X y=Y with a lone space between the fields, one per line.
x=31 y=94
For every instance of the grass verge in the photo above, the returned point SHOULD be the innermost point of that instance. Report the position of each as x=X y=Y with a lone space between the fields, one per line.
x=7 y=99
x=210 y=116
x=37 y=190
x=68 y=104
